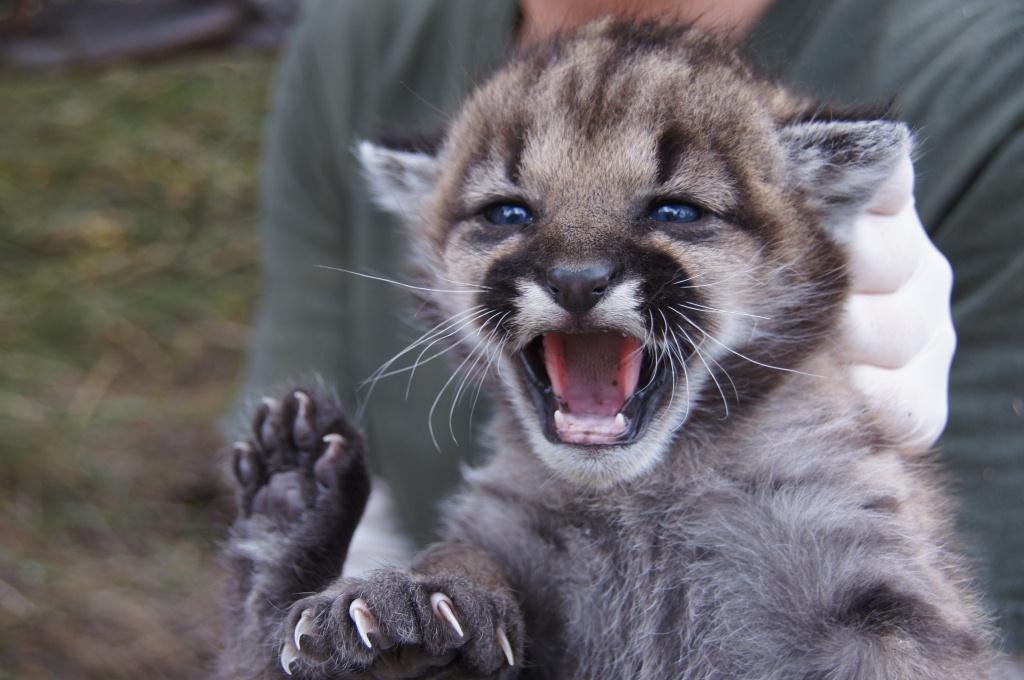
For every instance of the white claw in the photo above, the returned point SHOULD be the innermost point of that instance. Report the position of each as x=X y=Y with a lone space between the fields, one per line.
x=442 y=606
x=506 y=647
x=360 y=614
x=334 y=438
x=620 y=421
x=288 y=657
x=559 y=417
x=303 y=627
x=270 y=403
x=303 y=400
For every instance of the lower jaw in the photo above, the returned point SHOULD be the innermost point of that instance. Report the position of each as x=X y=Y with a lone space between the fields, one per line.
x=598 y=431
x=595 y=432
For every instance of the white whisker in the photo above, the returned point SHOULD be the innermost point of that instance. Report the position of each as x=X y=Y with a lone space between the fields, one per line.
x=454 y=375
x=697 y=307
x=470 y=372
x=419 y=358
x=432 y=336
x=741 y=356
x=393 y=282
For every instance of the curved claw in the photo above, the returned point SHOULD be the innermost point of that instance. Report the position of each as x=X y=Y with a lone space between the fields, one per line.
x=442 y=606
x=360 y=614
x=266 y=429
x=303 y=627
x=506 y=647
x=288 y=657
x=334 y=441
x=244 y=468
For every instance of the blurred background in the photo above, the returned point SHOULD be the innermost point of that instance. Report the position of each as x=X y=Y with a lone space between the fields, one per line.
x=129 y=146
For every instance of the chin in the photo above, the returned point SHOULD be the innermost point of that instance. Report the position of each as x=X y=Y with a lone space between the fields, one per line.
x=598 y=407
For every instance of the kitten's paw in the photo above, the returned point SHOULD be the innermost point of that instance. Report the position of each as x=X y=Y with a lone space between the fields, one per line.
x=302 y=476
x=399 y=625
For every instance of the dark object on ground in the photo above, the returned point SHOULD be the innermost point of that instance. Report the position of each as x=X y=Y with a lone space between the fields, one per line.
x=90 y=33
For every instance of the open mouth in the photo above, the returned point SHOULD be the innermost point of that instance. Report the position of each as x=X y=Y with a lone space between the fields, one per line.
x=593 y=389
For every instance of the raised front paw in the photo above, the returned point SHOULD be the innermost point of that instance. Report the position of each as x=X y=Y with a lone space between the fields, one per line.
x=302 y=485
x=399 y=625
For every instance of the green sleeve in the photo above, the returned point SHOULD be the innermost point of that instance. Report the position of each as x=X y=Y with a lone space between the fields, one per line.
x=983 y=236
x=353 y=69
x=954 y=71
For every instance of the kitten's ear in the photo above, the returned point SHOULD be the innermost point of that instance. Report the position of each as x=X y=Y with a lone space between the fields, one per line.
x=401 y=180
x=839 y=166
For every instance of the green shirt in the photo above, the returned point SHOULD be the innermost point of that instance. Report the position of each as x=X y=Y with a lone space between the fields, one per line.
x=955 y=71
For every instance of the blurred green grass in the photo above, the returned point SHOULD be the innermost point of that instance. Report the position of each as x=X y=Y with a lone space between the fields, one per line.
x=128 y=271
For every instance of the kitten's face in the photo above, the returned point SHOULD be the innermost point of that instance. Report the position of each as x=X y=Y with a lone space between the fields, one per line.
x=648 y=243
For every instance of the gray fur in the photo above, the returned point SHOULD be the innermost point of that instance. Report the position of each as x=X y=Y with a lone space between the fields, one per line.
x=763 y=527
x=840 y=165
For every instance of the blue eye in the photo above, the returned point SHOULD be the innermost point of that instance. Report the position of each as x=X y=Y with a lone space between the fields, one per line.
x=508 y=214
x=676 y=212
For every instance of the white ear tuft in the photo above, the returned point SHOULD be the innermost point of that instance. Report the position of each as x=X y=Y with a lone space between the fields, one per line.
x=839 y=166
x=401 y=182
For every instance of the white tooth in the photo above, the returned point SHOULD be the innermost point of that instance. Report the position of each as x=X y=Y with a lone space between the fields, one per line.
x=620 y=421
x=559 y=417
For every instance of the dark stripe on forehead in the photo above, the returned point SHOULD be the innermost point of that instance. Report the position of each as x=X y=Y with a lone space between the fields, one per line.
x=671 y=143
x=646 y=35
x=515 y=141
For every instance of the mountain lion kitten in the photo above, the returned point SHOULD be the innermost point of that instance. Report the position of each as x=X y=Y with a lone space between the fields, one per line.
x=639 y=243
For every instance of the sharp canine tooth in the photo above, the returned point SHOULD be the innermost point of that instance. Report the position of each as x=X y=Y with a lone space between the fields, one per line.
x=620 y=421
x=559 y=417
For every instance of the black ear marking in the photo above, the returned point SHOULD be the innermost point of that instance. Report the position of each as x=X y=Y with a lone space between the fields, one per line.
x=837 y=166
x=398 y=140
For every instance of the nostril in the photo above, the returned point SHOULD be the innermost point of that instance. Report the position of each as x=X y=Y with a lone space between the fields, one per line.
x=578 y=290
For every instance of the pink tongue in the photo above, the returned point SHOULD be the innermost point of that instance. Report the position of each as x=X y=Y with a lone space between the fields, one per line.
x=592 y=373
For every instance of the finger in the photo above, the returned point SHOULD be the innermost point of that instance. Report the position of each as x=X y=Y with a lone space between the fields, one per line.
x=885 y=250
x=889 y=330
x=898 y=190
x=911 y=403
x=884 y=330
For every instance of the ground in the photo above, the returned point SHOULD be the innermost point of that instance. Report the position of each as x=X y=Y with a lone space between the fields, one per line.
x=128 y=275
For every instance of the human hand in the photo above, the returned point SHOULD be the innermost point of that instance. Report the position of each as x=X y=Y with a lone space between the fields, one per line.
x=898 y=331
